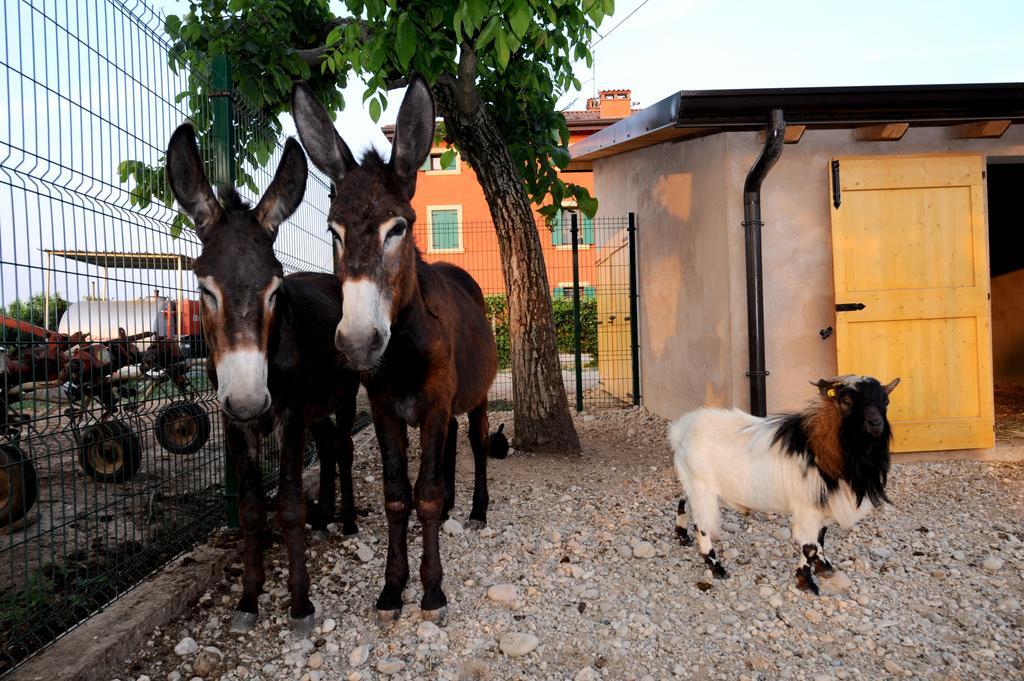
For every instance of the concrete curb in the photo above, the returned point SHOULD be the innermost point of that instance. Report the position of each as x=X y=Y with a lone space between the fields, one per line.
x=102 y=643
x=1002 y=453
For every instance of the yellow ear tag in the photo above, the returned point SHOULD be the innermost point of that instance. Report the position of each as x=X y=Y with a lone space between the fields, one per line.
x=831 y=392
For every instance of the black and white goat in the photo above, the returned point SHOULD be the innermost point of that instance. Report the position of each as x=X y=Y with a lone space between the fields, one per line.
x=828 y=462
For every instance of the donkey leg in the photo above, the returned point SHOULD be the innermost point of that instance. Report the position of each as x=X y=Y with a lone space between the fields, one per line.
x=252 y=516
x=291 y=516
x=806 y=524
x=451 y=447
x=346 y=417
x=325 y=436
x=480 y=441
x=429 y=496
x=391 y=434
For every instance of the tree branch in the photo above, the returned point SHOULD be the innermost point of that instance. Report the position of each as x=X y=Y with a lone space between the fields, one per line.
x=313 y=55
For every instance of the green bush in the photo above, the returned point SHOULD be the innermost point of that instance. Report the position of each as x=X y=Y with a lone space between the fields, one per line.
x=31 y=311
x=497 y=313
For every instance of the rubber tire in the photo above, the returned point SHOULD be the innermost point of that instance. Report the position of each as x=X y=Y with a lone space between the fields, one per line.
x=105 y=436
x=19 y=484
x=176 y=413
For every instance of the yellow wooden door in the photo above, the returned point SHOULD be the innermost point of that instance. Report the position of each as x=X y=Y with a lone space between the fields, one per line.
x=614 y=358
x=910 y=242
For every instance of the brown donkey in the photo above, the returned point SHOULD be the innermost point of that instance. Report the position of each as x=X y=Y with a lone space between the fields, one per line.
x=418 y=333
x=271 y=341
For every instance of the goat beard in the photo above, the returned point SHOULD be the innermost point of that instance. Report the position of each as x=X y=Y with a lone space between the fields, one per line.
x=866 y=463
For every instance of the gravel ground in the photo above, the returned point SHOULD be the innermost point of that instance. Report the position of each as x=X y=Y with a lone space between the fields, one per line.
x=558 y=585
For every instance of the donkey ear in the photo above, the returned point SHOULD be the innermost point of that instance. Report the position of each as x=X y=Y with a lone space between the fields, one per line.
x=414 y=133
x=285 y=193
x=891 y=385
x=324 y=145
x=188 y=181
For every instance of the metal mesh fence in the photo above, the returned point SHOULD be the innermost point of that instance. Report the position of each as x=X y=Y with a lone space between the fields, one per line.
x=111 y=447
x=606 y=365
x=111 y=456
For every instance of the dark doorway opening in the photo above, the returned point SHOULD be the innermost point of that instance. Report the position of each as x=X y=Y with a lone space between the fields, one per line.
x=1006 y=259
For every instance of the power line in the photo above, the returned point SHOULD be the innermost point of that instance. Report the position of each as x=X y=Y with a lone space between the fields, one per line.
x=635 y=10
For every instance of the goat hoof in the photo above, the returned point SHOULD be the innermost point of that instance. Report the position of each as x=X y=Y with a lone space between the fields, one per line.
x=349 y=529
x=318 y=535
x=387 y=618
x=243 y=622
x=718 y=572
x=474 y=524
x=805 y=582
x=824 y=568
x=438 y=617
x=304 y=626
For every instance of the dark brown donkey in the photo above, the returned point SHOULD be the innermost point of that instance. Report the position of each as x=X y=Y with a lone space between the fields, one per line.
x=418 y=332
x=271 y=342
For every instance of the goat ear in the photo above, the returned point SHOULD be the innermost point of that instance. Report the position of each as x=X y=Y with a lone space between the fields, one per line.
x=188 y=181
x=824 y=385
x=324 y=145
x=891 y=385
x=285 y=193
x=414 y=133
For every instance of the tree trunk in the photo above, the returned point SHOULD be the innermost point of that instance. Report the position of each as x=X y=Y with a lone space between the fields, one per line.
x=542 y=418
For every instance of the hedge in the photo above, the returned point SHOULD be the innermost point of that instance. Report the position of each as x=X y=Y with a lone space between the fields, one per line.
x=497 y=312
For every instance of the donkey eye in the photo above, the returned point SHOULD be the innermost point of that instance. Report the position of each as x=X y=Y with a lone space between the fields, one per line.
x=397 y=230
x=208 y=297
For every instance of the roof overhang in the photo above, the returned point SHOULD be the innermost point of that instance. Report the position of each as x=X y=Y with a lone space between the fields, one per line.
x=690 y=113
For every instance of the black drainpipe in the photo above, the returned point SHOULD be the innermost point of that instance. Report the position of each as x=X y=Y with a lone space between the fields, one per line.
x=774 y=138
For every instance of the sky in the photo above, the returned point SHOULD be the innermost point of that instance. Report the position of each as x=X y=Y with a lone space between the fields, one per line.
x=658 y=47
x=75 y=104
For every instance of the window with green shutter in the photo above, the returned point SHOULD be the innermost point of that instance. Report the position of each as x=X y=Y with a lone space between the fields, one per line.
x=561 y=228
x=444 y=229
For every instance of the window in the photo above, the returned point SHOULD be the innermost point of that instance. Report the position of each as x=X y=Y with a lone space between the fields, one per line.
x=561 y=228
x=564 y=290
x=444 y=225
x=433 y=163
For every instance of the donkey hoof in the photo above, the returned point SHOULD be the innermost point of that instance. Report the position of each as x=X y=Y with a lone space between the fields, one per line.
x=348 y=530
x=243 y=622
x=304 y=626
x=438 y=617
x=386 y=618
x=318 y=535
x=474 y=524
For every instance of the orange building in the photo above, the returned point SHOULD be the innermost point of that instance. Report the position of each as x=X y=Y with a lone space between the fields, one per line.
x=453 y=222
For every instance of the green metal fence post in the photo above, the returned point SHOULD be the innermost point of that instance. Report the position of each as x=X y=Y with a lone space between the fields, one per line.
x=574 y=223
x=224 y=173
x=634 y=330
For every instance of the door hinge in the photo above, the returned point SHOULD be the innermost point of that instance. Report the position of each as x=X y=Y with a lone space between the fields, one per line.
x=836 y=195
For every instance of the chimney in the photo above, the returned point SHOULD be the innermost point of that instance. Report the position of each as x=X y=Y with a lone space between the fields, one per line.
x=612 y=103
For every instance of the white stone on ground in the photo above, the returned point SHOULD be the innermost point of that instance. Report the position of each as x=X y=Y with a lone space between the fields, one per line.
x=187 y=646
x=517 y=644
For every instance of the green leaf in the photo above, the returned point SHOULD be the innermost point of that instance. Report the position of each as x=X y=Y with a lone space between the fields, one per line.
x=375 y=110
x=172 y=24
x=501 y=53
x=448 y=159
x=405 y=43
x=519 y=17
x=487 y=33
x=586 y=202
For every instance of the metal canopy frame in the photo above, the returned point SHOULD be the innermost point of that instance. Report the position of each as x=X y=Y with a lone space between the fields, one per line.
x=118 y=260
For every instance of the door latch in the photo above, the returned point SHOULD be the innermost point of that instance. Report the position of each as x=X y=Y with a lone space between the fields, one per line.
x=849 y=307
